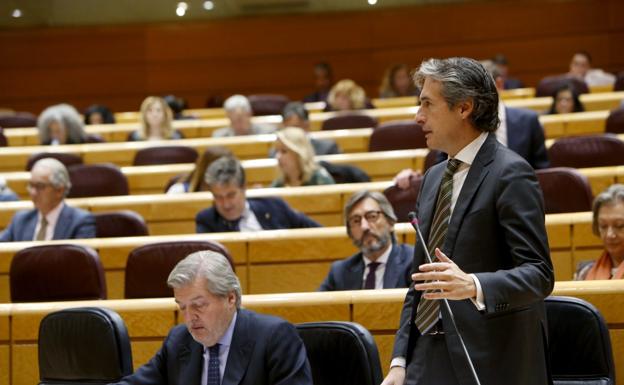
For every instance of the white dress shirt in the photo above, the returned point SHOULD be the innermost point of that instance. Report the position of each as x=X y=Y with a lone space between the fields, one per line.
x=248 y=221
x=52 y=218
x=224 y=350
x=501 y=132
x=381 y=269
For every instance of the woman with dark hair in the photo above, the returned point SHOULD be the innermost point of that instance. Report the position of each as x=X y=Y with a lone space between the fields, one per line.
x=194 y=181
x=565 y=100
x=98 y=114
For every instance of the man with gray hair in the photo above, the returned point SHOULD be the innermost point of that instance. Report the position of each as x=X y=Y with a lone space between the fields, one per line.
x=238 y=110
x=381 y=262
x=232 y=211
x=221 y=343
x=51 y=218
x=481 y=214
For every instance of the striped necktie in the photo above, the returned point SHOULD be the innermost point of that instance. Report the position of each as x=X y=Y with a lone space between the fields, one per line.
x=428 y=311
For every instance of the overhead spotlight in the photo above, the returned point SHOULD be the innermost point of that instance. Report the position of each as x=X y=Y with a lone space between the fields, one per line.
x=208 y=5
x=17 y=13
x=372 y=2
x=181 y=8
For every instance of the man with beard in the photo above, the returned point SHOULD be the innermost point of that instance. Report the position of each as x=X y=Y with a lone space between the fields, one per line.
x=381 y=262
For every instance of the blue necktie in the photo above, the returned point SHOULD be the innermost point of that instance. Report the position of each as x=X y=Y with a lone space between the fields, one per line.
x=214 y=375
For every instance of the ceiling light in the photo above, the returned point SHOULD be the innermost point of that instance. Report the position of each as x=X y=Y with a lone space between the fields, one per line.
x=181 y=8
x=372 y=2
x=208 y=5
x=17 y=13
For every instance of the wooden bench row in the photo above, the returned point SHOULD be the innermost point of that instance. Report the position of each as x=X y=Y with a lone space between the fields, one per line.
x=148 y=321
x=301 y=257
x=205 y=127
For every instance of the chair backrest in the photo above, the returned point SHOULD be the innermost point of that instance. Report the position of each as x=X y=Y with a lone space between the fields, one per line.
x=66 y=158
x=397 y=135
x=148 y=266
x=93 y=180
x=565 y=190
x=404 y=201
x=3 y=139
x=345 y=173
x=587 y=151
x=619 y=82
x=268 y=104
x=548 y=85
x=56 y=273
x=86 y=345
x=579 y=344
x=122 y=223
x=341 y=353
x=615 y=121
x=349 y=120
x=165 y=155
x=95 y=138
x=20 y=119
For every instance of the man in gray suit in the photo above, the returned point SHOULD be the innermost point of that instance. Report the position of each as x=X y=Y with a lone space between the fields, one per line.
x=51 y=218
x=482 y=218
x=381 y=262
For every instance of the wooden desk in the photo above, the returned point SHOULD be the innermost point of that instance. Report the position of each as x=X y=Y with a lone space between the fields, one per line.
x=148 y=321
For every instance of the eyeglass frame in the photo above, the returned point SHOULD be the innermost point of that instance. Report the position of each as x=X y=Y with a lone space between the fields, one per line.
x=377 y=214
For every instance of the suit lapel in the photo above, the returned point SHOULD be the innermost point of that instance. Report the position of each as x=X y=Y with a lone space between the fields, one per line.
x=391 y=276
x=478 y=170
x=190 y=360
x=240 y=350
x=355 y=271
x=62 y=224
x=29 y=228
x=426 y=206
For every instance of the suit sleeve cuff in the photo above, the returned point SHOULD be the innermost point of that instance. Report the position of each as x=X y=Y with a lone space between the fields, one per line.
x=478 y=300
x=398 y=361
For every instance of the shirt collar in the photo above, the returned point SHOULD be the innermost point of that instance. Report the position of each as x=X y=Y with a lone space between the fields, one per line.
x=383 y=258
x=226 y=338
x=53 y=215
x=247 y=211
x=468 y=154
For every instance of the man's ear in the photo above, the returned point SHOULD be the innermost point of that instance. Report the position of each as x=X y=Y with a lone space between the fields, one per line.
x=465 y=108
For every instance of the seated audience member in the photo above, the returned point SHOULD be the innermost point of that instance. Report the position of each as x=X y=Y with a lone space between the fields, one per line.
x=156 y=118
x=51 y=218
x=323 y=80
x=98 y=114
x=61 y=124
x=381 y=262
x=520 y=130
x=565 y=101
x=232 y=211
x=608 y=224
x=580 y=67
x=194 y=181
x=295 y=160
x=238 y=110
x=502 y=65
x=346 y=95
x=177 y=105
x=295 y=115
x=6 y=194
x=221 y=343
x=396 y=82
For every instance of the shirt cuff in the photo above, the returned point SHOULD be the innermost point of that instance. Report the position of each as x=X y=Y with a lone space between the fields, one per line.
x=398 y=361
x=478 y=301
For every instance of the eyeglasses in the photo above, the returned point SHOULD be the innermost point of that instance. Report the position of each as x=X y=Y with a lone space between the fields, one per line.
x=371 y=217
x=617 y=228
x=37 y=186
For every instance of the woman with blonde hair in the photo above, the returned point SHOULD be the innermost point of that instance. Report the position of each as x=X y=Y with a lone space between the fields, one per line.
x=346 y=95
x=397 y=82
x=295 y=160
x=61 y=124
x=156 y=118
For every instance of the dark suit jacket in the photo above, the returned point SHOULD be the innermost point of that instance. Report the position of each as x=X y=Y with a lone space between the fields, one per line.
x=272 y=213
x=347 y=274
x=497 y=232
x=73 y=223
x=265 y=350
x=525 y=136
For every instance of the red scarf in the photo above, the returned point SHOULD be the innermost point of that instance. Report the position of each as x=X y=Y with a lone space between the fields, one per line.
x=602 y=269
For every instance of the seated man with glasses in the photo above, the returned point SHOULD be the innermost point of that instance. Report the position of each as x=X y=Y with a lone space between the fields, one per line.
x=381 y=263
x=51 y=218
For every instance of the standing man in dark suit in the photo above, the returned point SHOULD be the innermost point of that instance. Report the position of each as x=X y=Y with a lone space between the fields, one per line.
x=381 y=262
x=220 y=343
x=51 y=218
x=232 y=211
x=482 y=217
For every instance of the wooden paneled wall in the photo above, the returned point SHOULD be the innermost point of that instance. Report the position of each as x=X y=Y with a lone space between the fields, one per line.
x=120 y=65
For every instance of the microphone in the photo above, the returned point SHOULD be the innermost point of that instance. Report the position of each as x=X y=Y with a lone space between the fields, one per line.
x=414 y=222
